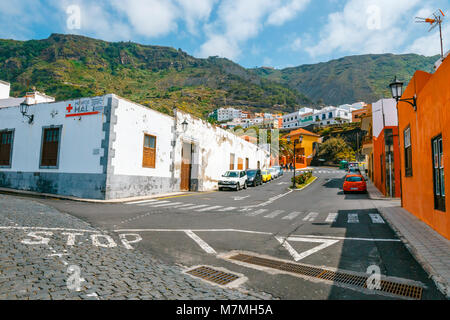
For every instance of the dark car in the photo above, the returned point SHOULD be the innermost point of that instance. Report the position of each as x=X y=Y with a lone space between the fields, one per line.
x=254 y=177
x=353 y=170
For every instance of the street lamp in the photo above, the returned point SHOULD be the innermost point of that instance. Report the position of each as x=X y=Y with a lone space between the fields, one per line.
x=397 y=92
x=300 y=140
x=184 y=125
x=24 y=106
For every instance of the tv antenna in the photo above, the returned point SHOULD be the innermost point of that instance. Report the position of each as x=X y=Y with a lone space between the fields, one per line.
x=435 y=20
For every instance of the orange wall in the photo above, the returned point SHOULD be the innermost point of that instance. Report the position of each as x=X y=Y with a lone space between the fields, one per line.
x=379 y=174
x=431 y=119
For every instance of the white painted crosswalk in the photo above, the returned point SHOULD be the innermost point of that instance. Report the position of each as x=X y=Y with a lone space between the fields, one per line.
x=311 y=216
x=288 y=216
x=292 y=215
x=274 y=214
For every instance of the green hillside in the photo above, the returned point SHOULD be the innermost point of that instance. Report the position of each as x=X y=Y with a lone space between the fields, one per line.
x=349 y=79
x=69 y=66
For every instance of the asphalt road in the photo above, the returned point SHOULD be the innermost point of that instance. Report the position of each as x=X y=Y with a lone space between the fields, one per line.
x=318 y=226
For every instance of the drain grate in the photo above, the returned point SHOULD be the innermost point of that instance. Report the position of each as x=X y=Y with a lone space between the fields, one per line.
x=210 y=274
x=400 y=289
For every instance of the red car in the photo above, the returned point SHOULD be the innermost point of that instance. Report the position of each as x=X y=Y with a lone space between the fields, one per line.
x=354 y=183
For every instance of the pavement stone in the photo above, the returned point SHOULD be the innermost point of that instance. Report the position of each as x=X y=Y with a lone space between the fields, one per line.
x=33 y=271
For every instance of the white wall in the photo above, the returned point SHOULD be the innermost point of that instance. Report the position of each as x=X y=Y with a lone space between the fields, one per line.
x=4 y=90
x=80 y=137
x=212 y=149
x=389 y=108
x=133 y=120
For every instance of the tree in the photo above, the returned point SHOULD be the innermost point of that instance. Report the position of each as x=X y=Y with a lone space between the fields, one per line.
x=336 y=149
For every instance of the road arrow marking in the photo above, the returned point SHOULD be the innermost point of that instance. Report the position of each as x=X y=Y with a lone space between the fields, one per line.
x=325 y=243
x=208 y=249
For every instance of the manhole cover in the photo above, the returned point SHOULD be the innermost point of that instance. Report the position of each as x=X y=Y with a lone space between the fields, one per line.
x=387 y=286
x=213 y=275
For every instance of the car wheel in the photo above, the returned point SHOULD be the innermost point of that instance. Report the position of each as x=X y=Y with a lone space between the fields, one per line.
x=220 y=189
x=238 y=187
x=245 y=185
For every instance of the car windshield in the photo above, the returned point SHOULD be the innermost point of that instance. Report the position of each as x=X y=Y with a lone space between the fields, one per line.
x=354 y=179
x=251 y=173
x=231 y=174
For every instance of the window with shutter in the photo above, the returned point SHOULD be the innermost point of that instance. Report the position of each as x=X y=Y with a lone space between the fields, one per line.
x=50 y=147
x=149 y=154
x=6 y=138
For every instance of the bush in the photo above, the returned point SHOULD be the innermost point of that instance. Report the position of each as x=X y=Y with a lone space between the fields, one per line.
x=302 y=178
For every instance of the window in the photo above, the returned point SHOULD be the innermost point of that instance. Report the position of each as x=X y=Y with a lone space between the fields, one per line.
x=247 y=163
x=149 y=153
x=438 y=173
x=408 y=152
x=6 y=142
x=50 y=147
x=232 y=161
x=240 y=164
x=323 y=116
x=330 y=115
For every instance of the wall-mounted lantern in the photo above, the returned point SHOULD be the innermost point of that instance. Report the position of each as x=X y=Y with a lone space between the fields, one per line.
x=397 y=92
x=184 y=125
x=24 y=107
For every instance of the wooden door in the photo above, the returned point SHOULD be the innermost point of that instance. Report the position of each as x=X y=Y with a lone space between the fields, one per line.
x=186 y=167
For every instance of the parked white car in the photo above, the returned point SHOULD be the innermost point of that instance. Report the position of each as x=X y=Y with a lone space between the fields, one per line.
x=233 y=180
x=274 y=172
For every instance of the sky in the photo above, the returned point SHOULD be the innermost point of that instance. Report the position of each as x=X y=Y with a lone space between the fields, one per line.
x=253 y=33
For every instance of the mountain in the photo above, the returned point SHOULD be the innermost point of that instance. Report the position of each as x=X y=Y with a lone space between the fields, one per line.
x=349 y=79
x=72 y=66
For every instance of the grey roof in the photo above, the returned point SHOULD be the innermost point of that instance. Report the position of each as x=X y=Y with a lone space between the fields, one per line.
x=11 y=102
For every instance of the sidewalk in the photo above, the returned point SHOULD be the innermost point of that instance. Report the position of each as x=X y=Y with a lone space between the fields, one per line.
x=57 y=196
x=374 y=193
x=429 y=248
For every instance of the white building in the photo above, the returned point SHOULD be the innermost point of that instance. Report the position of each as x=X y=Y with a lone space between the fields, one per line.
x=226 y=114
x=292 y=120
x=108 y=147
x=333 y=115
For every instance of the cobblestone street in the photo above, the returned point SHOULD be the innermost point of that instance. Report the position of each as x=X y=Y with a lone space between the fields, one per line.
x=42 y=249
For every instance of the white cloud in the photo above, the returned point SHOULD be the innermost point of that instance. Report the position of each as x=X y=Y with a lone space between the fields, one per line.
x=239 y=21
x=195 y=12
x=150 y=18
x=430 y=44
x=287 y=12
x=296 y=45
x=367 y=26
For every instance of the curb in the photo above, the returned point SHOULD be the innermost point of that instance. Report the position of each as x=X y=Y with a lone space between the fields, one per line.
x=315 y=179
x=33 y=194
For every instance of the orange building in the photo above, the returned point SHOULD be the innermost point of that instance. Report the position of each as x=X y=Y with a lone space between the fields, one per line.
x=425 y=148
x=360 y=113
x=304 y=151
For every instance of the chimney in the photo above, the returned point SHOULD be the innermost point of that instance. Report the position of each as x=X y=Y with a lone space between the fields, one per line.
x=4 y=89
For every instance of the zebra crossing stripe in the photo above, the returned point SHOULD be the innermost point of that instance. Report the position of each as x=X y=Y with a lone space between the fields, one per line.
x=167 y=204
x=376 y=218
x=209 y=208
x=184 y=205
x=311 y=216
x=257 y=212
x=152 y=203
x=142 y=201
x=332 y=217
x=194 y=207
x=353 y=218
x=227 y=209
x=291 y=216
x=274 y=214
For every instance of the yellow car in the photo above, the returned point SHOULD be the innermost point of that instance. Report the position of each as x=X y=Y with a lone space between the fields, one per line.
x=266 y=176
